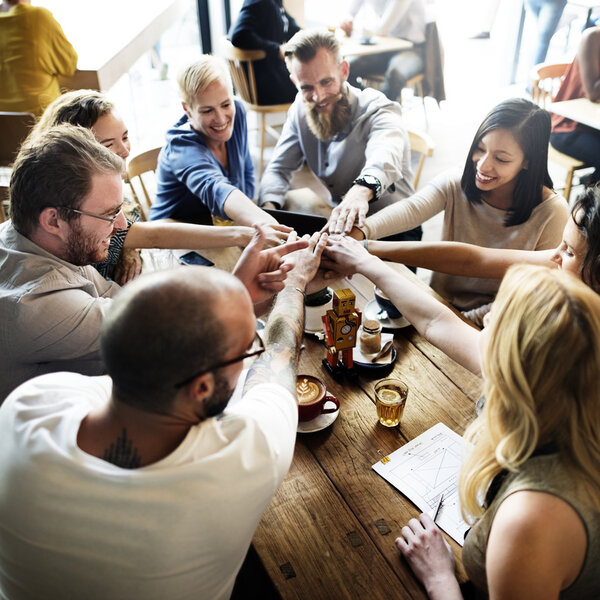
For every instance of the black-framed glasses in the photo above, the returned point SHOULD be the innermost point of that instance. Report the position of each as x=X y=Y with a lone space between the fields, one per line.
x=257 y=348
x=110 y=220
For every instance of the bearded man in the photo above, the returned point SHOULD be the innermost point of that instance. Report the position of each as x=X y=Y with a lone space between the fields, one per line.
x=354 y=141
x=66 y=201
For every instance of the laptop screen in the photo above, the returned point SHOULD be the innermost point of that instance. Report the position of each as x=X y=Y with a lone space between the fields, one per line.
x=303 y=223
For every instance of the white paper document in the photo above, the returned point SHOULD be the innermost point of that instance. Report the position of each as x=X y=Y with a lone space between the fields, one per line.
x=426 y=467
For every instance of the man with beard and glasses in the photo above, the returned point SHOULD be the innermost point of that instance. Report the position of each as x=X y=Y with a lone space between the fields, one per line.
x=147 y=483
x=65 y=205
x=354 y=141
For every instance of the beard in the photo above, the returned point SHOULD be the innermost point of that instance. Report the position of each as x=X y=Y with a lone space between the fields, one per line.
x=326 y=126
x=219 y=399
x=83 y=249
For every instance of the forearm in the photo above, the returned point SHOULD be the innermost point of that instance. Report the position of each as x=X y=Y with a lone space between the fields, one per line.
x=444 y=590
x=433 y=320
x=589 y=65
x=404 y=214
x=457 y=258
x=239 y=208
x=282 y=337
x=164 y=234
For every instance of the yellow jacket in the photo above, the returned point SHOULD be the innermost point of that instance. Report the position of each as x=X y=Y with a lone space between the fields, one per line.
x=33 y=53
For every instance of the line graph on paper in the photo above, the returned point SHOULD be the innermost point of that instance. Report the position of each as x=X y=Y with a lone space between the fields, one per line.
x=428 y=466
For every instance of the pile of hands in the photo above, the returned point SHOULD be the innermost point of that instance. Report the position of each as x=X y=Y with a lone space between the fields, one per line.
x=310 y=262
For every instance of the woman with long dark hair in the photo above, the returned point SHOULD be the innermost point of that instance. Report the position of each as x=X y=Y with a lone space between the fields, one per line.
x=502 y=199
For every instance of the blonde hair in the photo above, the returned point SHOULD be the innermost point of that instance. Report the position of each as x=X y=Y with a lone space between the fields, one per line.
x=197 y=76
x=541 y=362
x=79 y=107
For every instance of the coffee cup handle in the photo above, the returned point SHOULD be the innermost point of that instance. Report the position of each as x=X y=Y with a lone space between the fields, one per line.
x=329 y=398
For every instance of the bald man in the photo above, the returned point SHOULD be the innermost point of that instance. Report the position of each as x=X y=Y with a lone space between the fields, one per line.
x=146 y=484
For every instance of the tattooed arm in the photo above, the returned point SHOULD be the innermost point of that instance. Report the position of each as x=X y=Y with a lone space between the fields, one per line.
x=283 y=333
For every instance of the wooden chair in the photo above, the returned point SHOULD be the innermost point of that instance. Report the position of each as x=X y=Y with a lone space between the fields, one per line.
x=3 y=203
x=15 y=127
x=138 y=166
x=545 y=83
x=423 y=144
x=244 y=81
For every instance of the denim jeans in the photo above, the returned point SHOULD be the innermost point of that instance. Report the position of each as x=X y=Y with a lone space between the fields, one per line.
x=398 y=67
x=547 y=14
x=582 y=144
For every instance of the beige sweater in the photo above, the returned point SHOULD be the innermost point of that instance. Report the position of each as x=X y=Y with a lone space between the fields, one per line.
x=479 y=224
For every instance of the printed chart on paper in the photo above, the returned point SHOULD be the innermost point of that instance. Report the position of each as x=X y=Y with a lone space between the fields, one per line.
x=425 y=468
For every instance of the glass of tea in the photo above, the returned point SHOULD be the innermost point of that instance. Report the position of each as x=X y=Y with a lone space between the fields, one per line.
x=390 y=399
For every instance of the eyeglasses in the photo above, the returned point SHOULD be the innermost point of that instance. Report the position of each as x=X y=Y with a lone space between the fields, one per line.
x=110 y=220
x=257 y=348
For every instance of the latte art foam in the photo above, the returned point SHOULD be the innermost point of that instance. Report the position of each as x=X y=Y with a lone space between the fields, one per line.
x=308 y=391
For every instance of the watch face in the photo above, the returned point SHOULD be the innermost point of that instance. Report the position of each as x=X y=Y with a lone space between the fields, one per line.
x=371 y=180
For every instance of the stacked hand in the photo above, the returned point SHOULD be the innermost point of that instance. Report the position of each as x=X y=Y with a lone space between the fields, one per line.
x=351 y=211
x=263 y=271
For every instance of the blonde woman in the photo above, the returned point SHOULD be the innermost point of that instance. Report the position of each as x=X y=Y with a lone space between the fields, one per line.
x=205 y=167
x=531 y=483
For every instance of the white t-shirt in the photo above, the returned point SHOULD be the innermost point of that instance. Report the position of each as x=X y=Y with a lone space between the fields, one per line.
x=75 y=526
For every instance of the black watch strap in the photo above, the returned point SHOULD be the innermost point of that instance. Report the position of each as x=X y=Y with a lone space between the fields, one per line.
x=371 y=182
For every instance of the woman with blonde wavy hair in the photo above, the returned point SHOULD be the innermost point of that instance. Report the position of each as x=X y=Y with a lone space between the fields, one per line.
x=531 y=483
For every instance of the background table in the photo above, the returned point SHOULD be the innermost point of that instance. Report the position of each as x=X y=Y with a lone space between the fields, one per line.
x=351 y=46
x=582 y=110
x=329 y=532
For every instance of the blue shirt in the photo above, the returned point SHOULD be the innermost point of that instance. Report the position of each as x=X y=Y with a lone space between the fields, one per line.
x=191 y=182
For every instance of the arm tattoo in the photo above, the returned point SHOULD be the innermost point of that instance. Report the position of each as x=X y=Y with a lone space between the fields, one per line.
x=122 y=453
x=283 y=336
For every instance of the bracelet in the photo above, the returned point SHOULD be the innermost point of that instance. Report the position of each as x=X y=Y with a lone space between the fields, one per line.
x=301 y=291
x=365 y=243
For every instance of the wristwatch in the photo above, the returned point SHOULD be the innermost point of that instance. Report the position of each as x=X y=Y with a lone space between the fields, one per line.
x=371 y=182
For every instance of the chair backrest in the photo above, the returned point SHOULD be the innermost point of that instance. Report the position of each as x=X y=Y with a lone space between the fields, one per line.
x=423 y=144
x=15 y=127
x=545 y=81
x=3 y=201
x=241 y=69
x=138 y=166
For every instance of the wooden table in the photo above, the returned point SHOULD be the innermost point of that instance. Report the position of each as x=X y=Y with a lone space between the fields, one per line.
x=110 y=36
x=351 y=46
x=329 y=532
x=582 y=110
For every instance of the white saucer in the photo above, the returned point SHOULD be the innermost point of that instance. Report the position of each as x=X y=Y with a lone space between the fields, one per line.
x=321 y=422
x=372 y=311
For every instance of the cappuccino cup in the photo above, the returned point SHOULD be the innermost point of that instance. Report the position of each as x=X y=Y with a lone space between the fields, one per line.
x=386 y=304
x=312 y=397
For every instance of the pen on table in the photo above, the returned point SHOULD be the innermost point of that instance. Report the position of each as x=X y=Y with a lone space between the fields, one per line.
x=435 y=513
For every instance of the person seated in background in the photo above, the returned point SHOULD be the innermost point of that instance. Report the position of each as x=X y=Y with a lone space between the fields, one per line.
x=205 y=167
x=529 y=482
x=403 y=19
x=66 y=200
x=93 y=110
x=266 y=25
x=502 y=199
x=145 y=484
x=354 y=141
x=578 y=252
x=582 y=80
x=34 y=52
